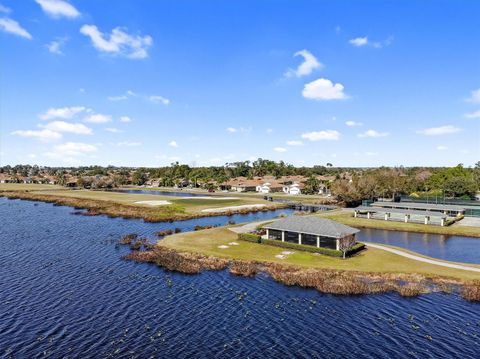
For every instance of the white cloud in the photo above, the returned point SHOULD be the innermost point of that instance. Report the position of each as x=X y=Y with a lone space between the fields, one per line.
x=55 y=46
x=62 y=126
x=280 y=149
x=359 y=41
x=113 y=130
x=353 y=124
x=372 y=133
x=364 y=41
x=173 y=144
x=474 y=96
x=123 y=97
x=72 y=149
x=58 y=8
x=13 y=27
x=98 y=118
x=442 y=130
x=42 y=135
x=231 y=130
x=117 y=98
x=118 y=42
x=475 y=114
x=294 y=143
x=327 y=135
x=125 y=119
x=369 y=153
x=269 y=130
x=128 y=144
x=63 y=112
x=159 y=99
x=442 y=148
x=309 y=64
x=323 y=89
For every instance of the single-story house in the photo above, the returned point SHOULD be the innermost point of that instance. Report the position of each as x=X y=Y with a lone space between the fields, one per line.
x=293 y=189
x=4 y=178
x=242 y=184
x=312 y=231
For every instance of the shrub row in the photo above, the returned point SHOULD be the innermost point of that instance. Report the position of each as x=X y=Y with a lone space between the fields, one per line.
x=254 y=238
x=303 y=247
x=249 y=237
x=452 y=221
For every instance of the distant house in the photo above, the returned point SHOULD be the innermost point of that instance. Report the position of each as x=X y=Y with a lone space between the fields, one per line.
x=4 y=178
x=270 y=185
x=27 y=180
x=242 y=184
x=264 y=188
x=293 y=189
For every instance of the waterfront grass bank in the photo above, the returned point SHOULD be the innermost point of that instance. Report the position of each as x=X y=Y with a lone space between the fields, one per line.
x=371 y=271
x=125 y=205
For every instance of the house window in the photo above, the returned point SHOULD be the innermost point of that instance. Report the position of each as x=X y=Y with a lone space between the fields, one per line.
x=291 y=237
x=327 y=242
x=309 y=239
x=274 y=234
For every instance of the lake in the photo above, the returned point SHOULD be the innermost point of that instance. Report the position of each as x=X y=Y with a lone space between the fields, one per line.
x=65 y=292
x=450 y=248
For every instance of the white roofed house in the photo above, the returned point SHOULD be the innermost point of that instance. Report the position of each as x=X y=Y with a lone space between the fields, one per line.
x=293 y=189
x=264 y=188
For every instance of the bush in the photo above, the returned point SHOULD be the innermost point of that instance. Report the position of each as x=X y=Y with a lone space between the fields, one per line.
x=452 y=221
x=249 y=237
x=355 y=249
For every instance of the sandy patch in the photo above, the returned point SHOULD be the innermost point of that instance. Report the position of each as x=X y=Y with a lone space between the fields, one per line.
x=233 y=208
x=287 y=253
x=280 y=256
x=154 y=203
x=233 y=244
x=222 y=247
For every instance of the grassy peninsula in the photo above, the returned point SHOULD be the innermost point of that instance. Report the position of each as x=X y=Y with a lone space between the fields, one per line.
x=127 y=205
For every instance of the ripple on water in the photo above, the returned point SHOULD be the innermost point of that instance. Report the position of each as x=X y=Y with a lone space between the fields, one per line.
x=65 y=292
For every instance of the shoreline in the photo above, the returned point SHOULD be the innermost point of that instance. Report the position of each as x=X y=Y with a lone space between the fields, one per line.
x=326 y=278
x=95 y=207
x=326 y=281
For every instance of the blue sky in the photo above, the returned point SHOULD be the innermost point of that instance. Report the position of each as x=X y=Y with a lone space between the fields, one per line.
x=145 y=83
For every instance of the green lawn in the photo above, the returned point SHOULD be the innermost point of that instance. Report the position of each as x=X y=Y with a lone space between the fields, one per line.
x=27 y=187
x=189 y=205
x=372 y=260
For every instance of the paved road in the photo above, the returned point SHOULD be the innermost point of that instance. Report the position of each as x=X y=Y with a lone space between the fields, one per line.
x=422 y=259
x=249 y=227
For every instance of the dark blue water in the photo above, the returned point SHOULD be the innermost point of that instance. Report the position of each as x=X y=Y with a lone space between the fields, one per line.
x=65 y=292
x=159 y=193
x=450 y=248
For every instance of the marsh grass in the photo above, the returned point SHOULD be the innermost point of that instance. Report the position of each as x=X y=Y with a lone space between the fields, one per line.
x=329 y=281
x=471 y=291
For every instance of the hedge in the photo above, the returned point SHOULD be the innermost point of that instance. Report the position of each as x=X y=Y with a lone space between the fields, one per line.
x=355 y=249
x=249 y=237
x=452 y=221
x=303 y=247
x=254 y=238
